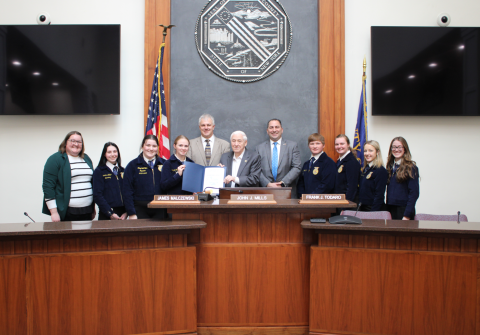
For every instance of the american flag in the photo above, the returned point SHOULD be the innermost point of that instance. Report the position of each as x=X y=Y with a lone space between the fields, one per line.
x=157 y=123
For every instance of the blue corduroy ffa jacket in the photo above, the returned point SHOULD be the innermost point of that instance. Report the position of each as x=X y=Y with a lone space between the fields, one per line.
x=107 y=189
x=348 y=173
x=141 y=182
x=404 y=194
x=171 y=182
x=372 y=187
x=320 y=179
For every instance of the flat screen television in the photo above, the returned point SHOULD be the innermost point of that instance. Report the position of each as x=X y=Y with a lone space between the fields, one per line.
x=431 y=71
x=59 y=69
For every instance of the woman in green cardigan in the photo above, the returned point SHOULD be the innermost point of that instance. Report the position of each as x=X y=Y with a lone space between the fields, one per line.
x=67 y=182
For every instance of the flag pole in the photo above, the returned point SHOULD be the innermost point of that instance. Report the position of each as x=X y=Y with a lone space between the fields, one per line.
x=364 y=79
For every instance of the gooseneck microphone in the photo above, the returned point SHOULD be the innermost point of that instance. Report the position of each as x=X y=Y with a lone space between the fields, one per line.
x=26 y=214
x=358 y=207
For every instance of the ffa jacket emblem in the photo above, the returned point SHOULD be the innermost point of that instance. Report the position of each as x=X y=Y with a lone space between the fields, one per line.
x=315 y=171
x=340 y=169
x=160 y=168
x=369 y=175
x=121 y=174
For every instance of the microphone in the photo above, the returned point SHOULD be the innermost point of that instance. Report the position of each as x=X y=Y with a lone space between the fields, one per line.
x=26 y=214
x=458 y=217
x=358 y=207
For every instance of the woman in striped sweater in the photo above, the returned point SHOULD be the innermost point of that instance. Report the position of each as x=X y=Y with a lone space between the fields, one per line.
x=67 y=182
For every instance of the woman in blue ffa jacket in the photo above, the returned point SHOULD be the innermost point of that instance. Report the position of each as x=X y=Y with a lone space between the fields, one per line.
x=373 y=179
x=172 y=172
x=348 y=169
x=318 y=173
x=142 y=181
x=108 y=184
x=403 y=187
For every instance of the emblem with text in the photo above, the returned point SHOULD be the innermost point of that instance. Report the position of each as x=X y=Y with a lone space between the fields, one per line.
x=243 y=41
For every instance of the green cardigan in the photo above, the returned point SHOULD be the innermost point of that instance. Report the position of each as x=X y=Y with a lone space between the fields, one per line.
x=57 y=182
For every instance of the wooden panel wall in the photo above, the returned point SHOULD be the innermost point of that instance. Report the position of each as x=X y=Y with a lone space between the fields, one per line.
x=331 y=68
x=156 y=12
x=364 y=291
x=13 y=308
x=331 y=63
x=122 y=292
x=253 y=285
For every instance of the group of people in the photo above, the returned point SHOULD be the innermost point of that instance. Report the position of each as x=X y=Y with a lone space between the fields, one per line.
x=72 y=187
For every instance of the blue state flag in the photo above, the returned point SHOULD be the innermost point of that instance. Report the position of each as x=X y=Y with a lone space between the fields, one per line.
x=361 y=129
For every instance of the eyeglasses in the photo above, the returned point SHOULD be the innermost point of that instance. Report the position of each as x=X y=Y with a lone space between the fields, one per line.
x=75 y=142
x=397 y=148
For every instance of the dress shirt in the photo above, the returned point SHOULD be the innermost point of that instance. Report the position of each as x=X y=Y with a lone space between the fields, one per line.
x=111 y=166
x=212 y=140
x=316 y=157
x=278 y=148
x=340 y=159
x=180 y=159
x=235 y=165
x=148 y=160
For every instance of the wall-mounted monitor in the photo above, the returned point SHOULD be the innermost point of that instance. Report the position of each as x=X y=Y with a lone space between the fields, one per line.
x=425 y=71
x=59 y=69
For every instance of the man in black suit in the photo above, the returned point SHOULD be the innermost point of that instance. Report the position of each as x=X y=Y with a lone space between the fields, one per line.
x=243 y=166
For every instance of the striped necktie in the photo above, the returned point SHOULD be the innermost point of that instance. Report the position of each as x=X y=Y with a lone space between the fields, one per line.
x=274 y=161
x=208 y=152
x=115 y=170
x=150 y=163
x=311 y=163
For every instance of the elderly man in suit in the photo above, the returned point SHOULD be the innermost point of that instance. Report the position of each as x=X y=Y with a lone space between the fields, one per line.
x=281 y=163
x=243 y=166
x=207 y=149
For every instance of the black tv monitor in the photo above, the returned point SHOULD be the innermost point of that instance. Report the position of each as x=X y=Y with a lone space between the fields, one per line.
x=59 y=69
x=431 y=71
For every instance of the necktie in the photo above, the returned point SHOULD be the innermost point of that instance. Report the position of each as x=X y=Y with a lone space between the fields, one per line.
x=275 y=161
x=339 y=162
x=395 y=167
x=208 y=152
x=311 y=163
x=115 y=170
x=150 y=163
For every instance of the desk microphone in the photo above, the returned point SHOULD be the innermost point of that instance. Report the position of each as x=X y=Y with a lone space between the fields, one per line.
x=26 y=214
x=342 y=219
x=458 y=217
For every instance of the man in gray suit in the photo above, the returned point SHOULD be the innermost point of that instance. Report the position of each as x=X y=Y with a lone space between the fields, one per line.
x=207 y=149
x=243 y=166
x=281 y=164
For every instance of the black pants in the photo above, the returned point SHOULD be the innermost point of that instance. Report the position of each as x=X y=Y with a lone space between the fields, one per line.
x=143 y=212
x=78 y=217
x=368 y=208
x=117 y=210
x=397 y=212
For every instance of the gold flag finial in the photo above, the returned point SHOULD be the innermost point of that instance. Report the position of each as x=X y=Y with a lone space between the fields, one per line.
x=364 y=67
x=165 y=28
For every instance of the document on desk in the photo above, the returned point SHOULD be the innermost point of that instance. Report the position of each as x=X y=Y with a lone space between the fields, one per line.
x=197 y=177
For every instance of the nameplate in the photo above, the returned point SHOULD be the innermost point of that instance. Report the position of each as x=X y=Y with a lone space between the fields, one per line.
x=252 y=199
x=176 y=198
x=323 y=199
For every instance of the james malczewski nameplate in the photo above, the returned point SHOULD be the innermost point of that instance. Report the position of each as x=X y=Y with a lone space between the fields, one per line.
x=243 y=41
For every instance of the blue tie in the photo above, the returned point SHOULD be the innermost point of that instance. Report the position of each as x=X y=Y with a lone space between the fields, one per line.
x=274 y=161
x=311 y=163
x=150 y=163
x=115 y=170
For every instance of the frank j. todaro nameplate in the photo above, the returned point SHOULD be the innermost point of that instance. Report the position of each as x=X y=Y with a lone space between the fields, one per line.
x=176 y=199
x=239 y=199
x=323 y=199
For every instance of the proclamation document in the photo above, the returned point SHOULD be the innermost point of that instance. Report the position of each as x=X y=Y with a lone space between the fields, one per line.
x=197 y=177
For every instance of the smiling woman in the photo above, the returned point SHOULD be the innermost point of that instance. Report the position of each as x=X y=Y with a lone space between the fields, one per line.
x=172 y=172
x=67 y=182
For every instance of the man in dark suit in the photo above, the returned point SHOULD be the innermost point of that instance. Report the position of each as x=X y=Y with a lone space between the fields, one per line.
x=281 y=163
x=243 y=166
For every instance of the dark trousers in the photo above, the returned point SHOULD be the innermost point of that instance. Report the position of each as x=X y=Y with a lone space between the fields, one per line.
x=78 y=217
x=143 y=212
x=117 y=210
x=397 y=211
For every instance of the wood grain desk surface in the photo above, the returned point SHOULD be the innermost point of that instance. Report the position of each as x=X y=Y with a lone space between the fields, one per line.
x=410 y=226
x=83 y=227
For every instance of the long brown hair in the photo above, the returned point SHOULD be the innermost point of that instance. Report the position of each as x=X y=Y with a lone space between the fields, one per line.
x=354 y=153
x=405 y=170
x=63 y=145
